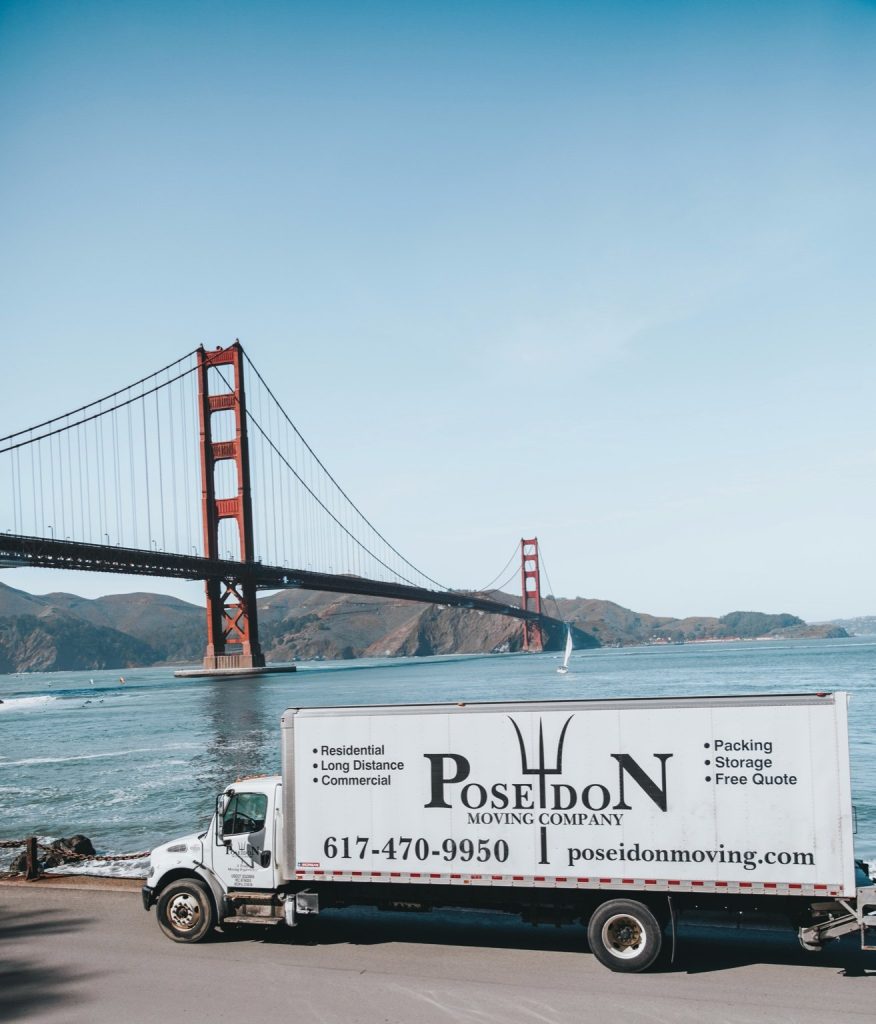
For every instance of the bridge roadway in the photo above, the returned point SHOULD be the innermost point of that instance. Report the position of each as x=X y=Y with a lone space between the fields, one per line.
x=46 y=553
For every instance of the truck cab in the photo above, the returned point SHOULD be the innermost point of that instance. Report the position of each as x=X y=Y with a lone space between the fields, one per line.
x=230 y=873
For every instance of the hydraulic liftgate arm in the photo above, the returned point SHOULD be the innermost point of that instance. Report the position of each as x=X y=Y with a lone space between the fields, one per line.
x=860 y=917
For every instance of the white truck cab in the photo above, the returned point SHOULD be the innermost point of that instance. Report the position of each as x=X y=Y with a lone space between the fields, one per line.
x=228 y=873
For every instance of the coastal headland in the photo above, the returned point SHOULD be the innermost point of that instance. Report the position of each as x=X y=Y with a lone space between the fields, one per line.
x=65 y=632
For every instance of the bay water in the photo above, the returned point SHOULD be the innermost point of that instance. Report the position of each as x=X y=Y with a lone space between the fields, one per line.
x=135 y=760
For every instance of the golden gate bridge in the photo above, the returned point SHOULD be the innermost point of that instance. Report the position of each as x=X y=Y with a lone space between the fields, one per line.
x=197 y=472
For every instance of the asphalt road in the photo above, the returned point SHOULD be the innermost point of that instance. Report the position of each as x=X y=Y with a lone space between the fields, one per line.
x=96 y=956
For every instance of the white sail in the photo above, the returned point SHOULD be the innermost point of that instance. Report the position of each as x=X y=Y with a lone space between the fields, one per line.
x=565 y=666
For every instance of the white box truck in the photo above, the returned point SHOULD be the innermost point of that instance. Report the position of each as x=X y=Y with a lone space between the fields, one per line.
x=620 y=814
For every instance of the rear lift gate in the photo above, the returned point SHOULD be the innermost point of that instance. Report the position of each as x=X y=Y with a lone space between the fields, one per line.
x=844 y=917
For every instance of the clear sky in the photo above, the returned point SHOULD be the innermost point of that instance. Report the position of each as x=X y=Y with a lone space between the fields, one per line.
x=601 y=272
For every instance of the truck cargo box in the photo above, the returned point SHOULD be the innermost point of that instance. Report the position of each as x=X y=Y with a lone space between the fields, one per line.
x=714 y=794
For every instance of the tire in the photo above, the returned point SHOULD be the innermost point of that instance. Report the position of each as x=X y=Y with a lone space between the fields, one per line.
x=624 y=936
x=185 y=911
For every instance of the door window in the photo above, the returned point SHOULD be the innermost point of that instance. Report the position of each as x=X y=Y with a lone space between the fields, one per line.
x=246 y=813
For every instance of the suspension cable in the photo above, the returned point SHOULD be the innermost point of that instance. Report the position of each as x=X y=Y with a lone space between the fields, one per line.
x=88 y=419
x=321 y=465
x=500 y=587
x=499 y=573
x=553 y=594
x=99 y=401
x=310 y=490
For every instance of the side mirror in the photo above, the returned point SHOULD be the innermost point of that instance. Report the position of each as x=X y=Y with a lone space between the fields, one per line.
x=222 y=802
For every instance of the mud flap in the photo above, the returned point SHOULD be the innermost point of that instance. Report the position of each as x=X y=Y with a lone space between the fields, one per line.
x=673 y=925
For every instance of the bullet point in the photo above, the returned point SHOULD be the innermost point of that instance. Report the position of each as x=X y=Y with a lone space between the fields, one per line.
x=704 y=762
x=316 y=766
x=314 y=750
x=706 y=745
x=316 y=780
x=708 y=778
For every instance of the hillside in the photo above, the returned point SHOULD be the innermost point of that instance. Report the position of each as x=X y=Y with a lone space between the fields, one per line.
x=613 y=625
x=297 y=624
x=62 y=631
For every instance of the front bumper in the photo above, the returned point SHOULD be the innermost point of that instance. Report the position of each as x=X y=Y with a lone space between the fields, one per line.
x=148 y=894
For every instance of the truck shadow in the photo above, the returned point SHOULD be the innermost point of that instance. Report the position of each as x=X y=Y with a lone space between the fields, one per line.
x=703 y=949
x=366 y=926
x=700 y=948
x=28 y=987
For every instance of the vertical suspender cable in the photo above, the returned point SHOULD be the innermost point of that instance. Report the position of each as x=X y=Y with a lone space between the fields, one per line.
x=132 y=478
x=148 y=481
x=274 y=505
x=81 y=532
x=117 y=479
x=298 y=543
x=13 y=456
x=52 y=482
x=160 y=474
x=70 y=467
x=284 y=507
x=101 y=481
x=43 y=524
x=260 y=495
x=188 y=499
x=86 y=532
x=173 y=467
x=33 y=529
x=61 y=494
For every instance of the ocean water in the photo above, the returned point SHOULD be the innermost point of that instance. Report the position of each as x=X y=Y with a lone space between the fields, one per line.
x=132 y=764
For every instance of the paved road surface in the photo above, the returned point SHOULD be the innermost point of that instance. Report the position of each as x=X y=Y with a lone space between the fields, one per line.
x=94 y=956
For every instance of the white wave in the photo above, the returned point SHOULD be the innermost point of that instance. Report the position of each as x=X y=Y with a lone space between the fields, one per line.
x=20 y=703
x=137 y=868
x=94 y=757
x=870 y=860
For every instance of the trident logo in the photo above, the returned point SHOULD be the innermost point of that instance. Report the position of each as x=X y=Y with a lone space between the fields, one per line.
x=541 y=769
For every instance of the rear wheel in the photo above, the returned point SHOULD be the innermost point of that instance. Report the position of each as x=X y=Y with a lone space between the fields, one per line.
x=625 y=936
x=185 y=911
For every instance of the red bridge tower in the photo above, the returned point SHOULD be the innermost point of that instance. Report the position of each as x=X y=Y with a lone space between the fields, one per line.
x=530 y=593
x=231 y=601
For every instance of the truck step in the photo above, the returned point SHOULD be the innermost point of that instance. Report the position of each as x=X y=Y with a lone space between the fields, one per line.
x=249 y=896
x=259 y=907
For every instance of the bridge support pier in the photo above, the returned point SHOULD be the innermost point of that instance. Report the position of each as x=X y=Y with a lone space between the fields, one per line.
x=530 y=593
x=232 y=619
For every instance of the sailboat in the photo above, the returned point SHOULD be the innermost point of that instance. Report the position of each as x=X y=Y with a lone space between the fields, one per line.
x=564 y=668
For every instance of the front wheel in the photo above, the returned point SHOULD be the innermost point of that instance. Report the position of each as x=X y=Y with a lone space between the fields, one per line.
x=625 y=936
x=185 y=911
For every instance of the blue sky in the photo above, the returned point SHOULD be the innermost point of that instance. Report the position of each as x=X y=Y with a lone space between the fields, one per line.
x=600 y=272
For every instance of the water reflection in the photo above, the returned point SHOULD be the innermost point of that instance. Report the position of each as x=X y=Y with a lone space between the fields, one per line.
x=242 y=738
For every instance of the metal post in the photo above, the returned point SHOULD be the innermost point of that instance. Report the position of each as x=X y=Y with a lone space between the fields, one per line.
x=32 y=867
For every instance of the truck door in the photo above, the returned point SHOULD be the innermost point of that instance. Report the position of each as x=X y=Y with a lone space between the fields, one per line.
x=245 y=857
